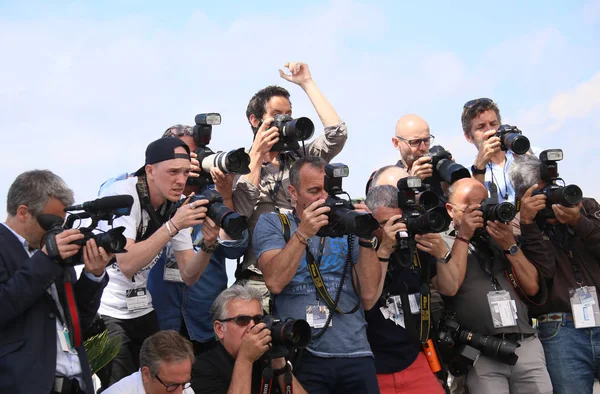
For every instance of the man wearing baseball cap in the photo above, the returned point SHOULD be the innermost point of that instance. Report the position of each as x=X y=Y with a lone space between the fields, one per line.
x=155 y=219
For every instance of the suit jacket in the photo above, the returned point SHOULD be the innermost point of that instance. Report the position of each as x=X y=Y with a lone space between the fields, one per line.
x=28 y=320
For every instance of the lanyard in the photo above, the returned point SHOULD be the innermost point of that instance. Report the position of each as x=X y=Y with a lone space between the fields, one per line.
x=485 y=257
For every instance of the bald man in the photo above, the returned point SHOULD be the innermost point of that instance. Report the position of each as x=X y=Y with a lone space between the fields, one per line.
x=484 y=299
x=389 y=175
x=413 y=140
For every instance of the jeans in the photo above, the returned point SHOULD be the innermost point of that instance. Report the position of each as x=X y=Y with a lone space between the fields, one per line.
x=572 y=356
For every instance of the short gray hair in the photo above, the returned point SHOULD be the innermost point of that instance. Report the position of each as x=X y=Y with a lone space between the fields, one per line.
x=382 y=196
x=165 y=347
x=218 y=310
x=524 y=172
x=34 y=188
x=313 y=161
x=179 y=130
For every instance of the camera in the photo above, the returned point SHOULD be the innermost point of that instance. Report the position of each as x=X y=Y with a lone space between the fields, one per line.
x=450 y=335
x=420 y=208
x=290 y=333
x=343 y=219
x=291 y=131
x=232 y=222
x=444 y=169
x=492 y=210
x=567 y=196
x=236 y=161
x=511 y=138
x=105 y=209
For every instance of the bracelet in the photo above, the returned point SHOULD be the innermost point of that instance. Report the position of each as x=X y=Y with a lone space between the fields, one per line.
x=209 y=249
x=300 y=234
x=384 y=259
x=173 y=224
x=282 y=371
x=300 y=239
x=459 y=238
x=169 y=230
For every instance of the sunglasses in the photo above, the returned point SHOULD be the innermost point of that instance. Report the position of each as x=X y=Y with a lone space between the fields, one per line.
x=480 y=101
x=243 y=320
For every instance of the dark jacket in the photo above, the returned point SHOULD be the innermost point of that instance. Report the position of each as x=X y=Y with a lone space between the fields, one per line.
x=28 y=320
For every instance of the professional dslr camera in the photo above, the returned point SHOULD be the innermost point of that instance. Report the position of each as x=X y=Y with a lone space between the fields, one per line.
x=236 y=161
x=343 y=219
x=106 y=208
x=471 y=345
x=444 y=169
x=492 y=210
x=291 y=131
x=232 y=222
x=511 y=138
x=567 y=196
x=291 y=333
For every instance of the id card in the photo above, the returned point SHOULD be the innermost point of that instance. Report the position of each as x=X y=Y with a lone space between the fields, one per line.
x=65 y=341
x=137 y=299
x=317 y=315
x=584 y=305
x=502 y=308
x=172 y=273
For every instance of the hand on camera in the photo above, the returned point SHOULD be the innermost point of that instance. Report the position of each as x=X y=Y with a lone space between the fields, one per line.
x=388 y=237
x=567 y=215
x=95 y=258
x=190 y=214
x=195 y=166
x=491 y=145
x=531 y=205
x=223 y=182
x=300 y=74
x=472 y=220
x=210 y=232
x=64 y=241
x=502 y=233
x=422 y=168
x=313 y=218
x=255 y=343
x=432 y=244
x=265 y=138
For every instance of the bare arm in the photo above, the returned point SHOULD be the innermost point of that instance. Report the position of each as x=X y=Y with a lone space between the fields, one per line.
x=297 y=388
x=450 y=276
x=241 y=379
x=370 y=274
x=140 y=254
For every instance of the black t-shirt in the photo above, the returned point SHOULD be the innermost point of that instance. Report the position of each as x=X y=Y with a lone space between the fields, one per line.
x=212 y=372
x=390 y=343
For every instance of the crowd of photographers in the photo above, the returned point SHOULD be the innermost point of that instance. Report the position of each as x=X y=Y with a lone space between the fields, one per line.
x=444 y=279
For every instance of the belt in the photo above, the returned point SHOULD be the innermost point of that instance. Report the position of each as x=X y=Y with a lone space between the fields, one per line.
x=554 y=317
x=513 y=336
x=64 y=385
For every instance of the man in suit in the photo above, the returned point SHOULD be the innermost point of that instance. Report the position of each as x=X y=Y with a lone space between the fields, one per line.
x=44 y=308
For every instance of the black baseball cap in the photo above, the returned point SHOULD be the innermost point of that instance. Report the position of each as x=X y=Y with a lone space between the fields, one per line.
x=163 y=149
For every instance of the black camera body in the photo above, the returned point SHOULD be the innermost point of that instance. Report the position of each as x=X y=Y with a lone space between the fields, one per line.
x=291 y=131
x=451 y=335
x=420 y=208
x=511 y=138
x=291 y=333
x=232 y=222
x=444 y=169
x=343 y=218
x=492 y=210
x=236 y=161
x=567 y=196
x=102 y=209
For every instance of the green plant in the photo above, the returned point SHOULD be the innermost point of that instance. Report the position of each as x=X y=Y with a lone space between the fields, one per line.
x=101 y=350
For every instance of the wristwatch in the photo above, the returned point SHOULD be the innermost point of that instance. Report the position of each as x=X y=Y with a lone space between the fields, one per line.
x=209 y=249
x=372 y=244
x=477 y=171
x=446 y=258
x=512 y=250
x=281 y=371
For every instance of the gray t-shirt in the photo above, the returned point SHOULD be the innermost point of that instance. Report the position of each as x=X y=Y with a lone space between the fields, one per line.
x=347 y=336
x=471 y=302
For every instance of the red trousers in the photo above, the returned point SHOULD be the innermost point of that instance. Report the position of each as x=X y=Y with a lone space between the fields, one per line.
x=417 y=379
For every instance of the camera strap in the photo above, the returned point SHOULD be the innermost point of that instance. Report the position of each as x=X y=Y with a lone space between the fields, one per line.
x=157 y=217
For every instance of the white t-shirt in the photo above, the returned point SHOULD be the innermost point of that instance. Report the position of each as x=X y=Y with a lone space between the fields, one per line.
x=133 y=384
x=114 y=301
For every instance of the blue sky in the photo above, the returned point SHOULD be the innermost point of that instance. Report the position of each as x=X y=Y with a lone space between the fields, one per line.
x=87 y=85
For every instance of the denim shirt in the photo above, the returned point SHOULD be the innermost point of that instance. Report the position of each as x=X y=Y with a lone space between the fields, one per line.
x=347 y=335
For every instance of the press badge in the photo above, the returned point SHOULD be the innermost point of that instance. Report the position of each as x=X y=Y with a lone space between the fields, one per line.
x=393 y=309
x=317 y=315
x=172 y=273
x=65 y=341
x=137 y=299
x=502 y=308
x=584 y=305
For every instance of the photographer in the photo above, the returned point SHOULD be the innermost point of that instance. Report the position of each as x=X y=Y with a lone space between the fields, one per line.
x=399 y=360
x=154 y=221
x=265 y=189
x=413 y=140
x=486 y=301
x=44 y=308
x=178 y=306
x=568 y=338
x=236 y=364
x=339 y=358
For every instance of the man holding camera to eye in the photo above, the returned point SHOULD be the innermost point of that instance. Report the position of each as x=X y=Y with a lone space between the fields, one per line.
x=236 y=364
x=154 y=221
x=497 y=280
x=339 y=358
x=568 y=322
x=265 y=189
x=413 y=140
x=44 y=308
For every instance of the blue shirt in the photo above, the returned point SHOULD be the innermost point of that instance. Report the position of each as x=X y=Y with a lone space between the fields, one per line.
x=347 y=335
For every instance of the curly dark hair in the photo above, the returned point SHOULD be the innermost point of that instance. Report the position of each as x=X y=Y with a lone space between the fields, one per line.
x=258 y=103
x=471 y=112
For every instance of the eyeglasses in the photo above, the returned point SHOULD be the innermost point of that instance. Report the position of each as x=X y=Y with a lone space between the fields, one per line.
x=480 y=101
x=173 y=386
x=416 y=143
x=243 y=320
